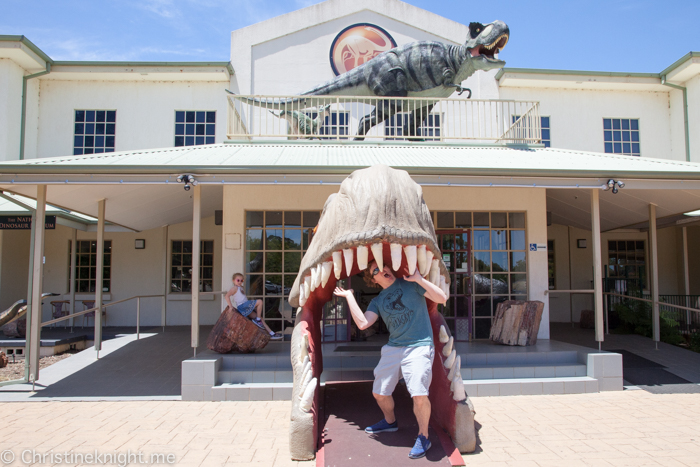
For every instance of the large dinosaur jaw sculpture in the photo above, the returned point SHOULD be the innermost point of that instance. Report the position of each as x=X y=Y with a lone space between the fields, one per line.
x=378 y=214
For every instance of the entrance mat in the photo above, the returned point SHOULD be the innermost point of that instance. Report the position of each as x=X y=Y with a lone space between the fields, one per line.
x=358 y=348
x=652 y=377
x=631 y=360
x=349 y=407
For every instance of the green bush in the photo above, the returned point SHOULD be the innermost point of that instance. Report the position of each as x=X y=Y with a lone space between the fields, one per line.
x=635 y=318
x=695 y=341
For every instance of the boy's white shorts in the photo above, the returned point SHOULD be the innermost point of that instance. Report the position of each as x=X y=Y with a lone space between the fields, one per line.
x=414 y=364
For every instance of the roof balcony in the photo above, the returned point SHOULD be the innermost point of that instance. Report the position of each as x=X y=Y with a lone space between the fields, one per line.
x=348 y=118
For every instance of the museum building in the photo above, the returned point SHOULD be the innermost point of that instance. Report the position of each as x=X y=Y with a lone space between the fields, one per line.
x=550 y=185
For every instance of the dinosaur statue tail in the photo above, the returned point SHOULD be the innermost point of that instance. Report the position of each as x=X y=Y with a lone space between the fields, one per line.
x=295 y=103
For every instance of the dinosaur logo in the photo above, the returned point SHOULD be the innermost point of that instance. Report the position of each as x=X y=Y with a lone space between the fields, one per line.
x=397 y=312
x=358 y=44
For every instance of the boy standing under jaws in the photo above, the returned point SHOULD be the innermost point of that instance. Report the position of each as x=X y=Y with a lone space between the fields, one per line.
x=409 y=352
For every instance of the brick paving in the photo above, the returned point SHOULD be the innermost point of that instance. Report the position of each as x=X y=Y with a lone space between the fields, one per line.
x=606 y=429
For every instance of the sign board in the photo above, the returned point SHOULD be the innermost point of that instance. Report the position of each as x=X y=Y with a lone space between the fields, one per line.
x=536 y=247
x=357 y=44
x=24 y=222
x=446 y=259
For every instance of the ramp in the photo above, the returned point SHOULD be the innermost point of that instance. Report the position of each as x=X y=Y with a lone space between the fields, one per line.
x=349 y=408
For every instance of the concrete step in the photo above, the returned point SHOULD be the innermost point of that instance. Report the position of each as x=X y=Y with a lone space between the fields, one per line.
x=530 y=386
x=542 y=370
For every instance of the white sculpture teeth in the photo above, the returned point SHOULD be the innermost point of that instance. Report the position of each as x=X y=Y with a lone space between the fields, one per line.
x=347 y=254
x=304 y=350
x=306 y=368
x=455 y=368
x=428 y=262
x=378 y=253
x=443 y=284
x=307 y=397
x=451 y=359
x=395 y=256
x=337 y=264
x=319 y=272
x=326 y=272
x=435 y=272
x=411 y=258
x=447 y=350
x=302 y=295
x=307 y=286
x=457 y=387
x=443 y=334
x=362 y=257
x=421 y=252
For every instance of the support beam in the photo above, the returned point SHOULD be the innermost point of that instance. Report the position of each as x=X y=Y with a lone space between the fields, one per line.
x=30 y=290
x=654 y=271
x=196 y=224
x=597 y=267
x=73 y=262
x=166 y=280
x=37 y=268
x=99 y=273
x=686 y=275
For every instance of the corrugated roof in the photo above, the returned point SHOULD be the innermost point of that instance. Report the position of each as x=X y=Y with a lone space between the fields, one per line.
x=323 y=157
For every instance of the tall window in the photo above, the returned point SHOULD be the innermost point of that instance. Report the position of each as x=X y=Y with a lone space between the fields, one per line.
x=181 y=266
x=335 y=125
x=94 y=131
x=275 y=244
x=498 y=271
x=429 y=130
x=621 y=136
x=544 y=126
x=194 y=127
x=626 y=260
x=86 y=266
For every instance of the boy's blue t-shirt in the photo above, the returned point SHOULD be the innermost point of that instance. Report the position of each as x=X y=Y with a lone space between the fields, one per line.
x=402 y=307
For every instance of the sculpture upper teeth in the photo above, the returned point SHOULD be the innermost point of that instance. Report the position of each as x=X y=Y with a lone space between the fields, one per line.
x=418 y=258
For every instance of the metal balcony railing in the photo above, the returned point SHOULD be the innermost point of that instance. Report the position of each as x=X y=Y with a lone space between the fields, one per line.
x=413 y=119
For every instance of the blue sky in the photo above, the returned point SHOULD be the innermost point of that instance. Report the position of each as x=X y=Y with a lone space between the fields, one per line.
x=611 y=35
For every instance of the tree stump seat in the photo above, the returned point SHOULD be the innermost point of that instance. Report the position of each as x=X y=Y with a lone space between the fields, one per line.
x=517 y=322
x=235 y=333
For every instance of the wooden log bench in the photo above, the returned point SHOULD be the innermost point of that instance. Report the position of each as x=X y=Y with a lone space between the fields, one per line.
x=517 y=322
x=235 y=333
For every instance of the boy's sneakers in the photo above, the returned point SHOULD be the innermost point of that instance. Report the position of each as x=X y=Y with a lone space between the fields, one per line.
x=382 y=427
x=275 y=336
x=420 y=448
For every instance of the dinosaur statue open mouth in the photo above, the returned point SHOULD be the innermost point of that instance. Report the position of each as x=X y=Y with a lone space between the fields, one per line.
x=490 y=50
x=378 y=214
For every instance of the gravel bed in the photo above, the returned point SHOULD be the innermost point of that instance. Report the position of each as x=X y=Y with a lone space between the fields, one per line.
x=16 y=370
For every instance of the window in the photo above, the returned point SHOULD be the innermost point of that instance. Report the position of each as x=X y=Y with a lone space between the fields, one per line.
x=275 y=243
x=544 y=126
x=335 y=125
x=181 y=266
x=86 y=266
x=194 y=127
x=551 y=265
x=626 y=260
x=94 y=131
x=429 y=130
x=486 y=252
x=621 y=136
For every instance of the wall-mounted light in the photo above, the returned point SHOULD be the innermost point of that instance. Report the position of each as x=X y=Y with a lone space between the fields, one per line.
x=614 y=185
x=188 y=180
x=140 y=243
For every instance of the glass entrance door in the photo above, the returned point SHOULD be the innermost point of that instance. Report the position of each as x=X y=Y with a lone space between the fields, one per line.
x=335 y=324
x=455 y=246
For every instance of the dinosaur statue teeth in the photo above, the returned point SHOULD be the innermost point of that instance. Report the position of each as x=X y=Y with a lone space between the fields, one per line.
x=337 y=264
x=326 y=272
x=313 y=276
x=451 y=359
x=316 y=276
x=362 y=257
x=428 y=262
x=443 y=334
x=306 y=368
x=304 y=348
x=435 y=272
x=421 y=253
x=457 y=386
x=447 y=350
x=455 y=369
x=307 y=397
x=395 y=256
x=411 y=258
x=347 y=255
x=307 y=286
x=302 y=295
x=378 y=253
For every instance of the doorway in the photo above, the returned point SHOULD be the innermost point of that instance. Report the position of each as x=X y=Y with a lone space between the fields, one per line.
x=455 y=246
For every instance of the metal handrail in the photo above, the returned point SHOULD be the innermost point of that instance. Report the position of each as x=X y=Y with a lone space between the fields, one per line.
x=652 y=301
x=546 y=292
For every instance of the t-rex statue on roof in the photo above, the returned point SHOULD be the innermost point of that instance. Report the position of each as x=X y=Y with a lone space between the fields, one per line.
x=418 y=69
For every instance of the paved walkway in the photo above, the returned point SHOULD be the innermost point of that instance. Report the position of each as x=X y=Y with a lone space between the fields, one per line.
x=629 y=428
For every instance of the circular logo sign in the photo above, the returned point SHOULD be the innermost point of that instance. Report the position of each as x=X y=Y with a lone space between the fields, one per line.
x=357 y=44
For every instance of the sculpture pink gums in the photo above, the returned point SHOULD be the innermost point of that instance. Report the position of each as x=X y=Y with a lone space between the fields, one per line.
x=378 y=214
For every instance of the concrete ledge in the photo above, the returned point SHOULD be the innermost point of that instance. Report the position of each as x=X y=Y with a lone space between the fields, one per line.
x=530 y=386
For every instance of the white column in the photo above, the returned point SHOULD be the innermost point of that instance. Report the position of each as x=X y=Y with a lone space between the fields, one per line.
x=37 y=268
x=166 y=280
x=73 y=260
x=99 y=274
x=653 y=269
x=30 y=291
x=196 y=222
x=597 y=266
x=686 y=274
